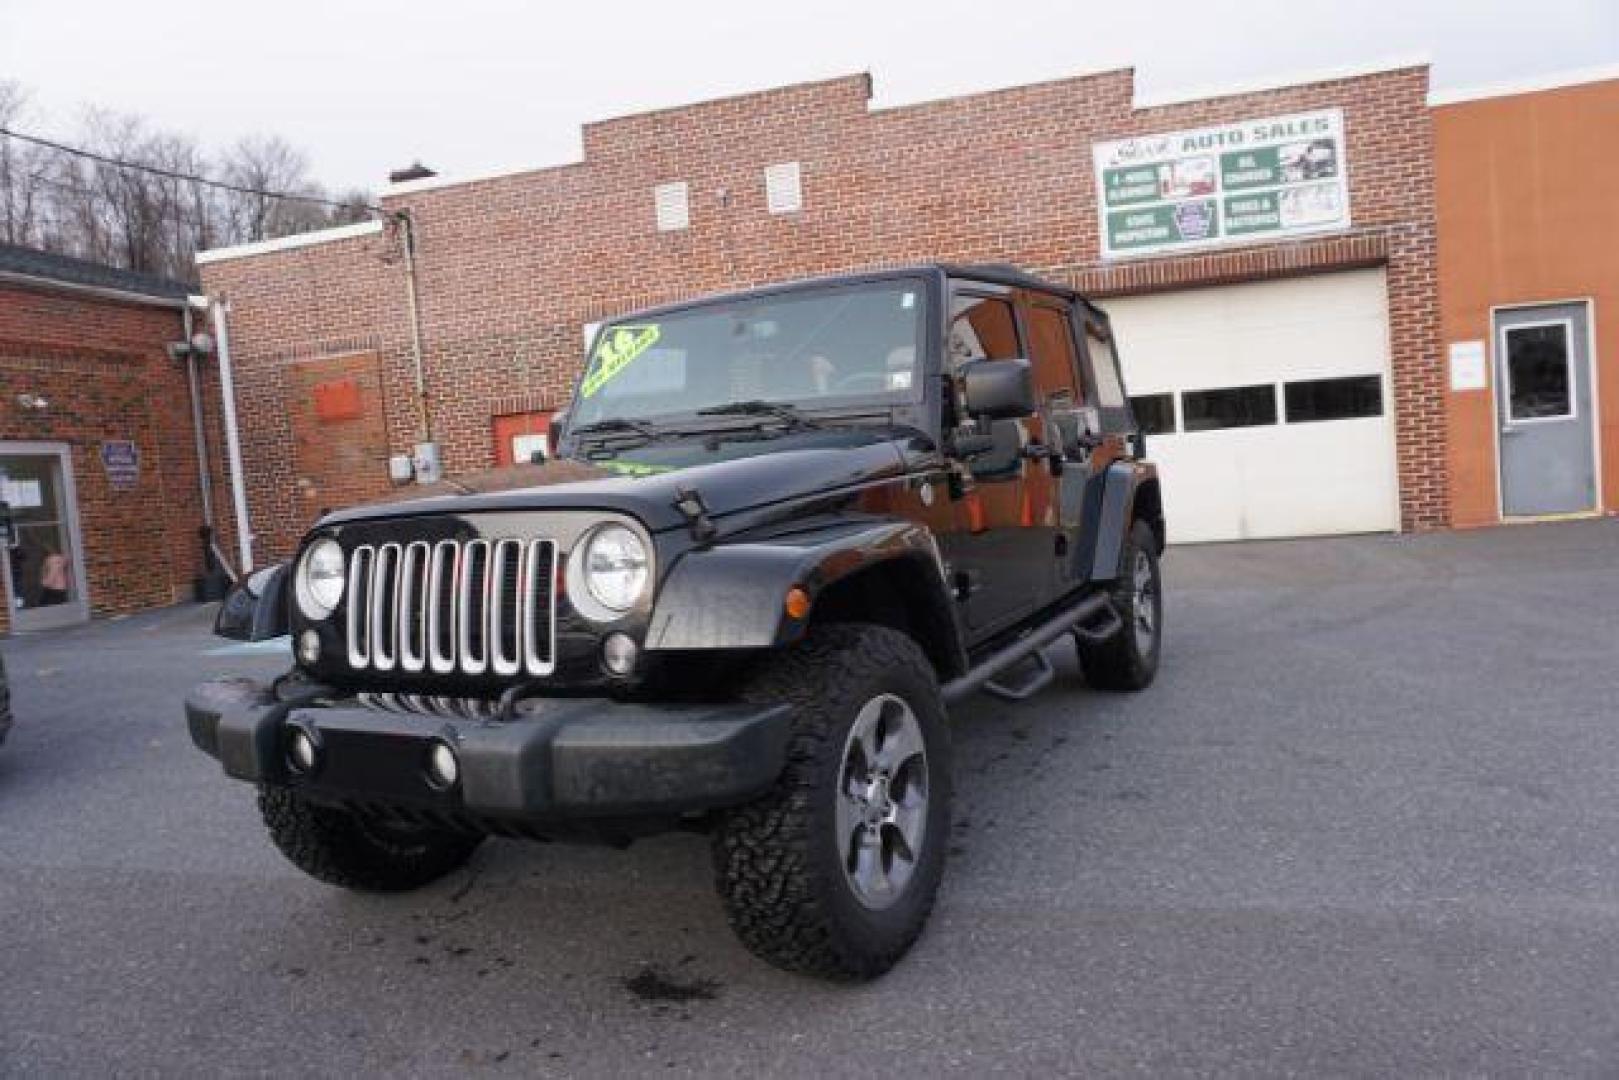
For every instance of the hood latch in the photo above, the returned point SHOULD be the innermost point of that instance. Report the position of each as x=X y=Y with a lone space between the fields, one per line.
x=689 y=501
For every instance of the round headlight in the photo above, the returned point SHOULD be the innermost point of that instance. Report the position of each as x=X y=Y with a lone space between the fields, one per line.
x=616 y=567
x=320 y=579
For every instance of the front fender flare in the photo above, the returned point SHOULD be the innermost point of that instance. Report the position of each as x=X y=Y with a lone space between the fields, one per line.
x=732 y=596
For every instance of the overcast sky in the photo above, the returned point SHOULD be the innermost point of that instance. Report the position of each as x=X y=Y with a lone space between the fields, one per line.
x=474 y=85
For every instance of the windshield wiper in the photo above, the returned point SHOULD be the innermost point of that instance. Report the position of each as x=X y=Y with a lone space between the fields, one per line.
x=788 y=414
x=616 y=425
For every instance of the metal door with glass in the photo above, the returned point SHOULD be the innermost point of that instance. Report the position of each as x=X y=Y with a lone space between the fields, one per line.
x=1544 y=407
x=44 y=568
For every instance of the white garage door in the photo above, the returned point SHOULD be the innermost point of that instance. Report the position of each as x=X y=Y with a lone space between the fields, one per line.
x=1269 y=404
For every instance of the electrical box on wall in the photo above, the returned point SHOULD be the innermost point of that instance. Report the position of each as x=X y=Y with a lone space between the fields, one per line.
x=426 y=461
x=400 y=469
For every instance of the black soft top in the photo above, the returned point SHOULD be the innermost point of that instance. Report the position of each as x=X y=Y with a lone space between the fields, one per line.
x=991 y=273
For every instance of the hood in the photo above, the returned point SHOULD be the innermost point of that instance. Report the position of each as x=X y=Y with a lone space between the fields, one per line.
x=739 y=472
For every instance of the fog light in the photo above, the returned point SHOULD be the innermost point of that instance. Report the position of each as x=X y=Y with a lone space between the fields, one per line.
x=301 y=751
x=618 y=654
x=442 y=768
x=308 y=648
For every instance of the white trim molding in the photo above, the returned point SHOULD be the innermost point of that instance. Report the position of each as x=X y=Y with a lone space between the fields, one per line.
x=1284 y=81
x=122 y=296
x=1551 y=81
x=288 y=243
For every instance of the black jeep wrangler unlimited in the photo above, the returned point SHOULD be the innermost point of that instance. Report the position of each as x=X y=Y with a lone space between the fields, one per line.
x=783 y=530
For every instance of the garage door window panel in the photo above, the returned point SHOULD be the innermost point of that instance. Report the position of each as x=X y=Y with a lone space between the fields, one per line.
x=1539 y=372
x=1155 y=413
x=1350 y=398
x=1229 y=407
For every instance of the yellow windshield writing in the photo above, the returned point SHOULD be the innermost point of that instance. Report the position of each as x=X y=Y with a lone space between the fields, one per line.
x=617 y=349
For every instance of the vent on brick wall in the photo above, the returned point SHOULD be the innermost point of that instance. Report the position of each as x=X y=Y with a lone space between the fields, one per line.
x=672 y=204
x=783 y=190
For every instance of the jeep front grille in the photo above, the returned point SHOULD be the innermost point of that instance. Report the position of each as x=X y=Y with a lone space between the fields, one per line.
x=475 y=607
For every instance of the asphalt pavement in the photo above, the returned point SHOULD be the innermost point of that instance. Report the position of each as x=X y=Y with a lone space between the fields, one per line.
x=1366 y=823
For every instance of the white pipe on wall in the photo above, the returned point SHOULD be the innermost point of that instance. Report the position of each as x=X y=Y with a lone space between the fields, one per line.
x=233 y=440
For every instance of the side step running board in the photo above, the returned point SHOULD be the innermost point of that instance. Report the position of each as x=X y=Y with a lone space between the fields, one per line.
x=1039 y=678
x=1093 y=612
x=1103 y=625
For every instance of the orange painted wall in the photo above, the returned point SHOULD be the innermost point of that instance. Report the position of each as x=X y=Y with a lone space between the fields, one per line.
x=1528 y=208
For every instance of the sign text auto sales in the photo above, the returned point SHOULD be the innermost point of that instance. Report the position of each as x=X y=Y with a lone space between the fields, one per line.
x=1236 y=183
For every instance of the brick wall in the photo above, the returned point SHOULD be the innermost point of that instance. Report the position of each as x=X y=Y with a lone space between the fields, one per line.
x=102 y=367
x=511 y=267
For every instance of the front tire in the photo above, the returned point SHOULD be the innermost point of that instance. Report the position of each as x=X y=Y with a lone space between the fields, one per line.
x=352 y=852
x=835 y=871
x=1128 y=660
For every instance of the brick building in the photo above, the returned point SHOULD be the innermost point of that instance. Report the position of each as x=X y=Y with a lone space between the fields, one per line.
x=1267 y=253
x=97 y=447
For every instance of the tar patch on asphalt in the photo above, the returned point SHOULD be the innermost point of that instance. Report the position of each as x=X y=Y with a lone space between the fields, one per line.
x=656 y=985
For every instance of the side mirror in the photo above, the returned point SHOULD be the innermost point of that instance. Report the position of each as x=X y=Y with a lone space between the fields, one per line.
x=256 y=609
x=998 y=389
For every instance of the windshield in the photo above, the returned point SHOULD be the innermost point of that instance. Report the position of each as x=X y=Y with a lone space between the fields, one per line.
x=837 y=346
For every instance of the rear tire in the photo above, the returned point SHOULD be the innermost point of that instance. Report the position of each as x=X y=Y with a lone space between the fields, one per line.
x=835 y=871
x=351 y=852
x=1128 y=660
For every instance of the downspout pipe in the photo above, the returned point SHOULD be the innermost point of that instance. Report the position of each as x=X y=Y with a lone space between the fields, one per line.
x=407 y=241
x=198 y=429
x=233 y=438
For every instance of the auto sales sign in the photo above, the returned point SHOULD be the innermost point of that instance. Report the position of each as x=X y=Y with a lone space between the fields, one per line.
x=1234 y=184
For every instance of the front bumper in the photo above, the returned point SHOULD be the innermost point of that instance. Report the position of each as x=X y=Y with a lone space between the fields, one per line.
x=556 y=759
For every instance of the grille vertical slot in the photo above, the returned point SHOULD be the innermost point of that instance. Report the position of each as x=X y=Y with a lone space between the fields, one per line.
x=385 y=608
x=505 y=619
x=359 y=606
x=441 y=606
x=473 y=622
x=540 y=605
x=412 y=606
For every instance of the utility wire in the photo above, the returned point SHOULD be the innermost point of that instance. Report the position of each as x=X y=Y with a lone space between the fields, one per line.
x=175 y=175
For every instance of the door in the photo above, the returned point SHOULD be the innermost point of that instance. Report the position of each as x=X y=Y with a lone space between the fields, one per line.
x=521 y=436
x=44 y=569
x=1001 y=551
x=1266 y=405
x=1543 y=403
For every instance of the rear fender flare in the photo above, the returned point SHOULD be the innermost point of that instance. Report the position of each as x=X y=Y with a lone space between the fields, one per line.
x=1111 y=499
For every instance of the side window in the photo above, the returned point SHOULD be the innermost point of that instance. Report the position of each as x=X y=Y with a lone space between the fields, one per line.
x=985 y=328
x=1104 y=366
x=981 y=328
x=1051 y=338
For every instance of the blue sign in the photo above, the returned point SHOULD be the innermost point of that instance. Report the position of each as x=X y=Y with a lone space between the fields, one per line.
x=122 y=460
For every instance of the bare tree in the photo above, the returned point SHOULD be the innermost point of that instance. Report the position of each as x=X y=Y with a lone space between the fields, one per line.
x=149 y=205
x=268 y=163
x=21 y=185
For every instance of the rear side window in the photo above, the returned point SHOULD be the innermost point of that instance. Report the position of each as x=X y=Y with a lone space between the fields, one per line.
x=982 y=328
x=1051 y=334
